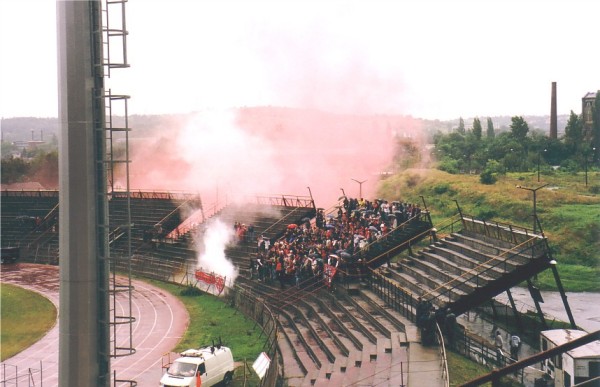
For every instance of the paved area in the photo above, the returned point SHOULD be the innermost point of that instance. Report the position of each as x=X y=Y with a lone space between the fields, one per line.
x=584 y=306
x=160 y=322
x=424 y=363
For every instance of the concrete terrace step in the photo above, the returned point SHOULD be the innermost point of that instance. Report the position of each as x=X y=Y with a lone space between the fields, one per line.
x=457 y=262
x=402 y=322
x=467 y=253
x=485 y=246
x=469 y=278
x=430 y=283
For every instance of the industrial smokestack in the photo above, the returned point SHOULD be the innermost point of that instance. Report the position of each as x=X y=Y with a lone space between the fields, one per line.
x=553 y=125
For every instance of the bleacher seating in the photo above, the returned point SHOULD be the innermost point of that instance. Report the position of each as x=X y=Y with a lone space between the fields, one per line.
x=470 y=266
x=334 y=336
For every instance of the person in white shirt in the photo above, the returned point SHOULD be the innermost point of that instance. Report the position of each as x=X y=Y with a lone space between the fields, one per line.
x=515 y=344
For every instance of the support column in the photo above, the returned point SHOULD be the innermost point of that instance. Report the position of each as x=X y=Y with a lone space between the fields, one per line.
x=84 y=345
x=534 y=296
x=562 y=294
x=515 y=311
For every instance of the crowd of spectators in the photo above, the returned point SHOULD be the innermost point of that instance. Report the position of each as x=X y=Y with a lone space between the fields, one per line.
x=327 y=246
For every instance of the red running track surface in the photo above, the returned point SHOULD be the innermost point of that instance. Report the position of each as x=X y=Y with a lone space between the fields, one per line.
x=161 y=320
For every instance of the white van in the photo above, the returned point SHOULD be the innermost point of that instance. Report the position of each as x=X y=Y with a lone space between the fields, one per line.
x=206 y=366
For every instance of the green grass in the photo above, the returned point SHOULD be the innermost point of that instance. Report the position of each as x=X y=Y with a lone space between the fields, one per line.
x=462 y=370
x=210 y=318
x=25 y=317
x=574 y=278
x=568 y=211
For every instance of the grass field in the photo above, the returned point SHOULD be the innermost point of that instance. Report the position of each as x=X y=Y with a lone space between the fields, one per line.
x=569 y=212
x=25 y=317
x=463 y=370
x=210 y=318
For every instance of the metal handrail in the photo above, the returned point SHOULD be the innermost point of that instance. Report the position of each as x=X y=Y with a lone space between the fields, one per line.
x=443 y=357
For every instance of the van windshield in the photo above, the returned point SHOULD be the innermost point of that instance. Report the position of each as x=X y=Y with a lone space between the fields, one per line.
x=180 y=368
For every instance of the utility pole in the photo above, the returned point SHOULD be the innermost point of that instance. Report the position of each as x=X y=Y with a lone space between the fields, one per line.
x=586 y=164
x=534 y=190
x=360 y=183
x=538 y=163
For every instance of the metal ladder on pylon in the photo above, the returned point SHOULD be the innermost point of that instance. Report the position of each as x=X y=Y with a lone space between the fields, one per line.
x=117 y=162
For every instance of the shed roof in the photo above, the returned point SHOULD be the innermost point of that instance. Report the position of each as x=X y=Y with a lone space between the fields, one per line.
x=563 y=336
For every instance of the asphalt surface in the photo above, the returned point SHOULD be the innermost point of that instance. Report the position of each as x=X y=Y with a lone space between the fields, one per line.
x=160 y=322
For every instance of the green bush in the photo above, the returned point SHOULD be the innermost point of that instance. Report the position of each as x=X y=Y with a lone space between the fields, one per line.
x=441 y=188
x=191 y=291
x=570 y=166
x=495 y=167
x=487 y=177
x=450 y=166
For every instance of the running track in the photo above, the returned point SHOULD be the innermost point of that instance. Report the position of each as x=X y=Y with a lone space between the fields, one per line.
x=161 y=320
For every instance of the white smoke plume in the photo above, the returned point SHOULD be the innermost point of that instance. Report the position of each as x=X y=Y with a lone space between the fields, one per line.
x=211 y=250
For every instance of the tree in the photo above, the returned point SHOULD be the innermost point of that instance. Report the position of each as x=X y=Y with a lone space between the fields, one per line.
x=519 y=128
x=490 y=128
x=14 y=169
x=461 y=126
x=477 y=128
x=573 y=133
x=596 y=128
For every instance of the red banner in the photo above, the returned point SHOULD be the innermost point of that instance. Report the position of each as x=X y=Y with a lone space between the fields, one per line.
x=328 y=273
x=211 y=279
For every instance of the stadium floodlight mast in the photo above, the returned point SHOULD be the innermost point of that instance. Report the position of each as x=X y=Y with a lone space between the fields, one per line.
x=360 y=183
x=534 y=190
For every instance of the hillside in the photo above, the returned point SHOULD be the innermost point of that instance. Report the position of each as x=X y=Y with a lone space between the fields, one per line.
x=36 y=128
x=569 y=211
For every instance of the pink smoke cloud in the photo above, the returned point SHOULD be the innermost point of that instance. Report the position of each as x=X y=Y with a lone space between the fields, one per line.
x=269 y=151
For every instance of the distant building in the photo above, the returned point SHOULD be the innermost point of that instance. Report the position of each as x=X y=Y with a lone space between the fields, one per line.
x=29 y=145
x=587 y=113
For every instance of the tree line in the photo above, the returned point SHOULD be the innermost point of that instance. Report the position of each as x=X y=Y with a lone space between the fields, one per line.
x=519 y=149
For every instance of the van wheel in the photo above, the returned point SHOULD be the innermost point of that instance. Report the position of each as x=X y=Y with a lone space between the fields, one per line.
x=227 y=378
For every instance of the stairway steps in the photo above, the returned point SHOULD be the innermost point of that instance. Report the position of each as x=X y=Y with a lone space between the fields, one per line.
x=488 y=249
x=447 y=271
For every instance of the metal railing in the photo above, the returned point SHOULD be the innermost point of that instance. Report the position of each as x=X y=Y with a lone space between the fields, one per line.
x=474 y=275
x=31 y=194
x=443 y=357
x=397 y=297
x=286 y=201
x=497 y=230
x=13 y=377
x=255 y=308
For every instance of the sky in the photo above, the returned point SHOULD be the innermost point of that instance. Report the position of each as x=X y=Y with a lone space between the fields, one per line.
x=428 y=59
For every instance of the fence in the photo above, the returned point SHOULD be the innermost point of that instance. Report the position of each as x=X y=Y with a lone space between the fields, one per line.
x=243 y=300
x=400 y=299
x=255 y=308
x=11 y=376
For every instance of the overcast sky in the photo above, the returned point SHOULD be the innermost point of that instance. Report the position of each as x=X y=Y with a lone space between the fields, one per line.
x=429 y=59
